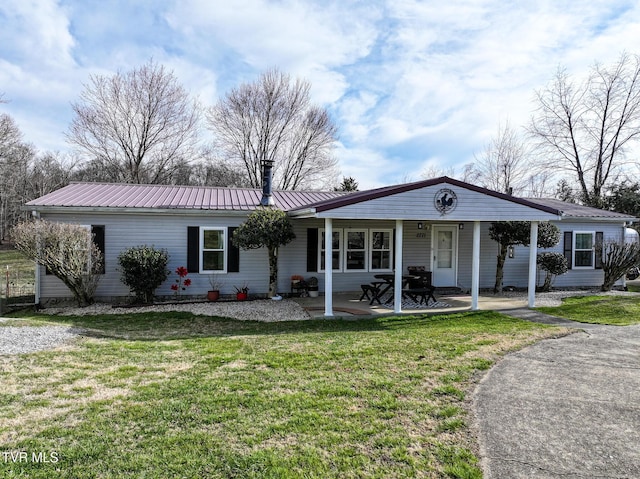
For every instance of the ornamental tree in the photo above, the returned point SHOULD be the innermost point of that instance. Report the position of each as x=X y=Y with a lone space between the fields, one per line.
x=553 y=264
x=270 y=228
x=66 y=250
x=514 y=233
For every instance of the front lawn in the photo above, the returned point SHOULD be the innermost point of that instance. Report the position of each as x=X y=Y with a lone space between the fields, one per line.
x=175 y=395
x=617 y=310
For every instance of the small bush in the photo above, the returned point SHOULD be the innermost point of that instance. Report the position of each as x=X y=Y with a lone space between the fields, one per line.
x=143 y=269
x=554 y=264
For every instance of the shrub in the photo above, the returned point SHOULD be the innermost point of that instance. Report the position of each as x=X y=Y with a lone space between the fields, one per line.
x=554 y=264
x=143 y=269
x=66 y=250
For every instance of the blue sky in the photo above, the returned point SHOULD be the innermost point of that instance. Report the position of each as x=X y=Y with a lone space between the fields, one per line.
x=411 y=85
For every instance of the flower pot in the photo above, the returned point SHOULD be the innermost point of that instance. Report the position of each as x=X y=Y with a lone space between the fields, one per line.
x=213 y=295
x=313 y=292
x=242 y=296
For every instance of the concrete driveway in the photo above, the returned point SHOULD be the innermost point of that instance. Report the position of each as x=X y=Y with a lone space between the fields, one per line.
x=567 y=407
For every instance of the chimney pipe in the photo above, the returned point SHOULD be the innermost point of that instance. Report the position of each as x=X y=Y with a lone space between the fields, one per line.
x=267 y=176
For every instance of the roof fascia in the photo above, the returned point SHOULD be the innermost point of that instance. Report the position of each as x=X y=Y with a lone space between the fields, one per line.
x=131 y=211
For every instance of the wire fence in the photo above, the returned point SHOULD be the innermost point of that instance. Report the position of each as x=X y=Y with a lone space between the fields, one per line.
x=18 y=285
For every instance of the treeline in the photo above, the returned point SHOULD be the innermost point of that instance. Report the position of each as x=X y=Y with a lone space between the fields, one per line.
x=142 y=126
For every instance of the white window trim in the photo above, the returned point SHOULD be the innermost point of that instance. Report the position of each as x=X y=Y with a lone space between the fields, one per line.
x=365 y=250
x=340 y=250
x=371 y=250
x=201 y=249
x=343 y=251
x=593 y=249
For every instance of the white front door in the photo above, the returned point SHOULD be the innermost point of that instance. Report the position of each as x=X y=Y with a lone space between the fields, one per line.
x=445 y=255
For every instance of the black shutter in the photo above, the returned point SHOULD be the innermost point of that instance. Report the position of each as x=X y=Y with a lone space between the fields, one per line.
x=312 y=250
x=98 y=239
x=568 y=247
x=599 y=244
x=193 y=249
x=233 y=252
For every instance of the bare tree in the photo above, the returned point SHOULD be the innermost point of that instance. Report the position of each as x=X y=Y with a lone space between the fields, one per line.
x=48 y=172
x=15 y=156
x=503 y=165
x=138 y=126
x=587 y=128
x=272 y=119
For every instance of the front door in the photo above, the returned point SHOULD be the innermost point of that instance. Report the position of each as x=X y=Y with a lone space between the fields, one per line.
x=445 y=255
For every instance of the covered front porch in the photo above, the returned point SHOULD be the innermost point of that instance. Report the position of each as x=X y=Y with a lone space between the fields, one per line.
x=444 y=205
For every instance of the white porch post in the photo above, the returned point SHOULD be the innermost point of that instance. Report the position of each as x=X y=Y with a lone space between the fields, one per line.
x=475 y=266
x=328 y=267
x=397 y=282
x=533 y=253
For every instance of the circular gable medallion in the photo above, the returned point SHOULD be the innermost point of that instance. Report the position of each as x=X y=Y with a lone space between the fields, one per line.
x=445 y=201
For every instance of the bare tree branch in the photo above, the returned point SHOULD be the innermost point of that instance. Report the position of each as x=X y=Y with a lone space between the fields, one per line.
x=587 y=128
x=273 y=119
x=139 y=126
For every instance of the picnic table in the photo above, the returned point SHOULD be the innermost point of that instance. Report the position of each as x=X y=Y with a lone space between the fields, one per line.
x=416 y=286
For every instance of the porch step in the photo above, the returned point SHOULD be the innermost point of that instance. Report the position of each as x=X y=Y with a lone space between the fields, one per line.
x=448 y=290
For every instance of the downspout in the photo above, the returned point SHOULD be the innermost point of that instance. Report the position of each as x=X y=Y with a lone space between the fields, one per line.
x=36 y=286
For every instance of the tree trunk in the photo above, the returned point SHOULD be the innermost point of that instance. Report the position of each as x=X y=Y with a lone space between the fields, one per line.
x=273 y=272
x=547 y=282
x=502 y=256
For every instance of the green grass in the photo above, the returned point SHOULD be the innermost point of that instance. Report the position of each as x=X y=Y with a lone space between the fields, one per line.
x=633 y=288
x=176 y=395
x=616 y=310
x=21 y=275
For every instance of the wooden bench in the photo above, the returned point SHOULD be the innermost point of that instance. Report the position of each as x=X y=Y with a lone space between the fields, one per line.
x=425 y=293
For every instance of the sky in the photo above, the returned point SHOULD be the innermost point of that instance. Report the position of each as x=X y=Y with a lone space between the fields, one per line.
x=412 y=86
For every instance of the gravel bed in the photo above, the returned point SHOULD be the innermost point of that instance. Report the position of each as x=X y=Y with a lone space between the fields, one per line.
x=29 y=339
x=259 y=310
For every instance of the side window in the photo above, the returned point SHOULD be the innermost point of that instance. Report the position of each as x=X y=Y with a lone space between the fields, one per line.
x=212 y=250
x=356 y=254
x=381 y=248
x=583 y=250
x=336 y=248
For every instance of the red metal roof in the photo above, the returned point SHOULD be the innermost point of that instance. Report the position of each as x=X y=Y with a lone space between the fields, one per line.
x=114 y=195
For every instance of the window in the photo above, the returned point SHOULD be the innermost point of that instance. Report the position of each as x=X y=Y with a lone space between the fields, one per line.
x=212 y=246
x=356 y=254
x=381 y=247
x=354 y=250
x=336 y=247
x=583 y=251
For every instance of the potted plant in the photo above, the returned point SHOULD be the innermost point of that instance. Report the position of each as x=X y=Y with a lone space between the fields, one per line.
x=214 y=293
x=242 y=292
x=312 y=287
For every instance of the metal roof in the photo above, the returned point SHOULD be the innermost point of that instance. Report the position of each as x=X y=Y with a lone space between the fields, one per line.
x=170 y=197
x=167 y=197
x=573 y=210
